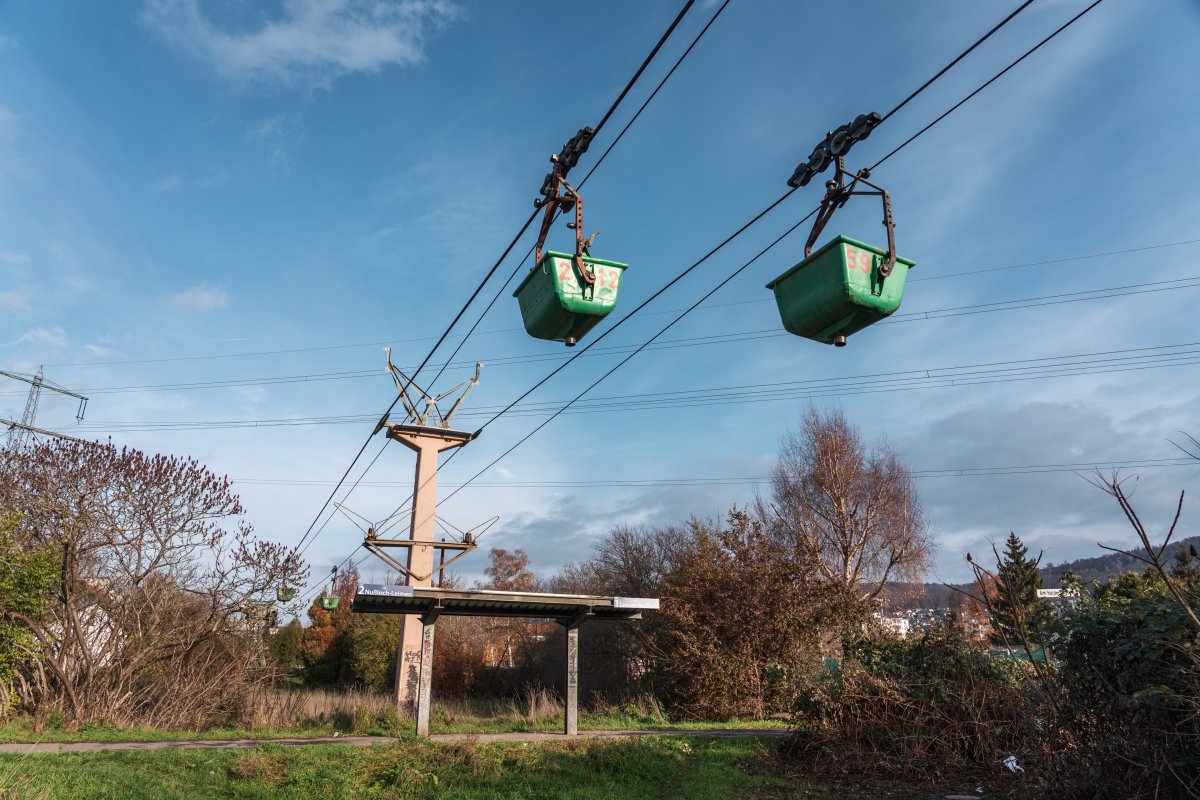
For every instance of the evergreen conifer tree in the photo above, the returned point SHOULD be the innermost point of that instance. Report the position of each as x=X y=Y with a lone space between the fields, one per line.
x=1186 y=568
x=1018 y=614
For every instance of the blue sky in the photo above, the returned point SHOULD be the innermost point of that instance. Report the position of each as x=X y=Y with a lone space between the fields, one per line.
x=188 y=188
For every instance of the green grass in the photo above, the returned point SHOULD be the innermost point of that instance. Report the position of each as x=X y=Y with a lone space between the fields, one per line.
x=667 y=767
x=442 y=720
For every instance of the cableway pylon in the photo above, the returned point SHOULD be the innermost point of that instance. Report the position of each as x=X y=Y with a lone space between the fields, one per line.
x=427 y=432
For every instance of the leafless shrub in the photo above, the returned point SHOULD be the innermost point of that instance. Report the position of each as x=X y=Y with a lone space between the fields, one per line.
x=924 y=705
x=158 y=609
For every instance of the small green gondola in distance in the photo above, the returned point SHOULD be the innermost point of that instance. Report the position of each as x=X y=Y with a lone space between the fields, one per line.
x=839 y=290
x=285 y=594
x=558 y=304
x=329 y=603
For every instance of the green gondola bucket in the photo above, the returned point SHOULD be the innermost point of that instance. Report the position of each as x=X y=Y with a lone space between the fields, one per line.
x=556 y=304
x=285 y=594
x=330 y=603
x=838 y=290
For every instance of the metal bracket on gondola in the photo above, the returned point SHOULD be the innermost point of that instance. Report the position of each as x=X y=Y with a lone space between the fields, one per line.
x=558 y=195
x=837 y=193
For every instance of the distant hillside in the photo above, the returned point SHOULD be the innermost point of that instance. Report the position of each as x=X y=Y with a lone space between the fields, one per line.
x=1098 y=568
x=1102 y=567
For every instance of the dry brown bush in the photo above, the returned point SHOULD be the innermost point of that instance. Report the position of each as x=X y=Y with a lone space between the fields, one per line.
x=158 y=607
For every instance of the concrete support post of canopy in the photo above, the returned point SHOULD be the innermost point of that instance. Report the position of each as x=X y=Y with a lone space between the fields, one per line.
x=571 y=710
x=425 y=687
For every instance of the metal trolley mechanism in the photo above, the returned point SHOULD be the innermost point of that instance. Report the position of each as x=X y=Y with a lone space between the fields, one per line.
x=846 y=285
x=565 y=295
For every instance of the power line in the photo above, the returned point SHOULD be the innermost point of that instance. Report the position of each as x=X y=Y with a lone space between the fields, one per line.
x=747 y=264
x=908 y=316
x=959 y=472
x=738 y=480
x=380 y=343
x=959 y=58
x=1064 y=260
x=696 y=264
x=607 y=115
x=595 y=166
x=1084 y=364
x=990 y=81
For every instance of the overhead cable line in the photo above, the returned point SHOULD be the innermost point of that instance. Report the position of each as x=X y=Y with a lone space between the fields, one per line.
x=689 y=269
x=960 y=472
x=391 y=407
x=737 y=480
x=1039 y=301
x=653 y=297
x=1062 y=366
x=589 y=174
x=911 y=279
x=959 y=58
x=992 y=80
x=744 y=266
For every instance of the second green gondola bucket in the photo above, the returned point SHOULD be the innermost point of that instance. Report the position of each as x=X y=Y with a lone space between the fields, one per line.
x=557 y=305
x=838 y=290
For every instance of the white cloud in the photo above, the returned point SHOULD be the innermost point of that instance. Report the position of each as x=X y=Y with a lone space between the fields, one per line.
x=168 y=183
x=201 y=298
x=9 y=257
x=282 y=135
x=15 y=299
x=217 y=177
x=54 y=337
x=98 y=351
x=173 y=182
x=312 y=40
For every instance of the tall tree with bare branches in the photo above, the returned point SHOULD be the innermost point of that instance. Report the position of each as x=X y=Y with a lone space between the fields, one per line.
x=849 y=508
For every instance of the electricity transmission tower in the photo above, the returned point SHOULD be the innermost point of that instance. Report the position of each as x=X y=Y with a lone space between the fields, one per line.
x=21 y=432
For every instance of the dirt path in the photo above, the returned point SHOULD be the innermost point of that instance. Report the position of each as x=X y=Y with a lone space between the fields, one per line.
x=366 y=741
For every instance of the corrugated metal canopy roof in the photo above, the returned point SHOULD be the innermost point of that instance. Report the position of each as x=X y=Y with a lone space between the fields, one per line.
x=373 y=598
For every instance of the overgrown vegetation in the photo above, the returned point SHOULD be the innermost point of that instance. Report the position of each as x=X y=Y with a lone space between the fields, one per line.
x=928 y=704
x=1113 y=712
x=123 y=595
x=130 y=596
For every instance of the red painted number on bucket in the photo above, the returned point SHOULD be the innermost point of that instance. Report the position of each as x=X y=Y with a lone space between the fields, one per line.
x=859 y=258
x=564 y=272
x=614 y=277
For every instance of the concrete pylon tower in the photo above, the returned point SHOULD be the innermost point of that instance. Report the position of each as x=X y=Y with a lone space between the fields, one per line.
x=425 y=431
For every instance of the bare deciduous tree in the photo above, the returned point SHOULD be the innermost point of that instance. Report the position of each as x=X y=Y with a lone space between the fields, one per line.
x=157 y=607
x=849 y=509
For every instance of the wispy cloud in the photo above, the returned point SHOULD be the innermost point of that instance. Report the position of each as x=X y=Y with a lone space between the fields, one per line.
x=15 y=299
x=201 y=298
x=311 y=40
x=282 y=134
x=217 y=177
x=168 y=183
x=53 y=337
x=9 y=257
x=174 y=182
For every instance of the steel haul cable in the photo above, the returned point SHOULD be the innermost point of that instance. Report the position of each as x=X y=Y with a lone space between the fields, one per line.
x=957 y=105
x=1082 y=364
x=595 y=166
x=752 y=221
x=1016 y=304
x=607 y=115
